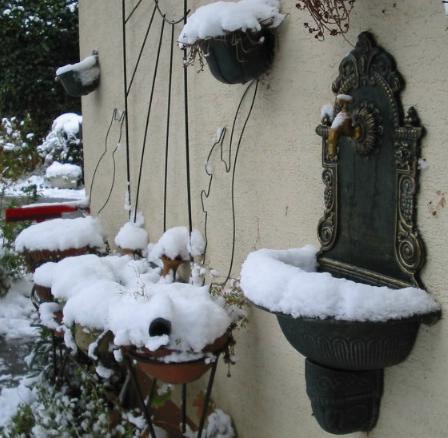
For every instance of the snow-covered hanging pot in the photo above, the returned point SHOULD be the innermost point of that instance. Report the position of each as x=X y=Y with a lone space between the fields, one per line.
x=82 y=78
x=237 y=39
x=240 y=56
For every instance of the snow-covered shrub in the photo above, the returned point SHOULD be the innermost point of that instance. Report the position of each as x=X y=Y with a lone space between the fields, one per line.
x=17 y=148
x=63 y=142
x=81 y=410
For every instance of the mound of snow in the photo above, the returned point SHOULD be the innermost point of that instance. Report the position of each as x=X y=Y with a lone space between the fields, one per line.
x=286 y=281
x=219 y=18
x=61 y=234
x=177 y=243
x=132 y=235
x=66 y=170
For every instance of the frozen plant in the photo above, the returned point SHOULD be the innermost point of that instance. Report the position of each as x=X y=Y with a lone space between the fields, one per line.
x=63 y=142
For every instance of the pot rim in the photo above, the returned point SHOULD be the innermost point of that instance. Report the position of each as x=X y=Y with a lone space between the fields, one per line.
x=428 y=318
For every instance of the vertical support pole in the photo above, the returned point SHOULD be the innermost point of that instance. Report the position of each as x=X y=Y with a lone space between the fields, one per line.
x=207 y=397
x=187 y=133
x=184 y=408
x=125 y=95
x=141 y=400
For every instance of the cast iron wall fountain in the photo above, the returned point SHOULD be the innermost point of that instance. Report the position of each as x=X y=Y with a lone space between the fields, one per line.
x=368 y=234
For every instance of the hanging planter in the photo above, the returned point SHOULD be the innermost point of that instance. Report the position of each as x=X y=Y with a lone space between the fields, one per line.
x=235 y=49
x=239 y=56
x=82 y=78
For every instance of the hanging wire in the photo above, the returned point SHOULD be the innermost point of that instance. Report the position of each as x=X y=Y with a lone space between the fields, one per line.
x=163 y=15
x=187 y=134
x=145 y=39
x=133 y=10
x=148 y=116
x=168 y=119
x=125 y=82
x=205 y=194
x=116 y=117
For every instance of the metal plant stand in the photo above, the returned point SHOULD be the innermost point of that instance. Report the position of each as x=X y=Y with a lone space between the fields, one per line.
x=146 y=406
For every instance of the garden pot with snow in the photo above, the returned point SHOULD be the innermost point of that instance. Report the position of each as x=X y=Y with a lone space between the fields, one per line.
x=56 y=239
x=237 y=38
x=157 y=364
x=82 y=78
x=93 y=343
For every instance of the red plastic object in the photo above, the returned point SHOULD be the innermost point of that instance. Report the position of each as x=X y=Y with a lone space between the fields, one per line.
x=39 y=213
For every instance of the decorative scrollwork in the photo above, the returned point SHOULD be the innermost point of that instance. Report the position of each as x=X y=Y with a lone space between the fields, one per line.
x=368 y=117
x=366 y=72
x=327 y=225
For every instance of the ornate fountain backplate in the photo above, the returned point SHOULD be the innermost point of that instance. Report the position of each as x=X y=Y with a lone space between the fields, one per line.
x=368 y=232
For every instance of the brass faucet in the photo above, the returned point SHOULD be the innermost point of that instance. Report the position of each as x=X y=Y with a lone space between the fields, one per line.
x=342 y=126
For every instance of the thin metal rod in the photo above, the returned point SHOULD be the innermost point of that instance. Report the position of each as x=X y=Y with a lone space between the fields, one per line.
x=148 y=116
x=187 y=133
x=163 y=15
x=141 y=400
x=168 y=119
x=184 y=408
x=125 y=82
x=232 y=258
x=142 y=47
x=132 y=12
x=207 y=397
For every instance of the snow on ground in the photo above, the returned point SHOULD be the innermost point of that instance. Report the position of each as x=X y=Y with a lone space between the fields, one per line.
x=17 y=312
x=11 y=398
x=16 y=190
x=17 y=315
x=286 y=281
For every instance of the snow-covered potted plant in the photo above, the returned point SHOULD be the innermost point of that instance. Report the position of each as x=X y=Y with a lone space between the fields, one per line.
x=82 y=78
x=56 y=239
x=237 y=39
x=132 y=238
x=175 y=247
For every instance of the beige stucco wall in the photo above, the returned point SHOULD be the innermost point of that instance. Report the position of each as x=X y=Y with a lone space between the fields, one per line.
x=278 y=190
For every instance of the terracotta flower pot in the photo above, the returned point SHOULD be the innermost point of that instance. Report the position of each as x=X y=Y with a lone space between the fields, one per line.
x=170 y=265
x=43 y=294
x=58 y=317
x=34 y=259
x=84 y=337
x=175 y=372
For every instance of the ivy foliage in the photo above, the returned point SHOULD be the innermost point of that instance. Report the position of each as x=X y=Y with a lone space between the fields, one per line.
x=37 y=37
